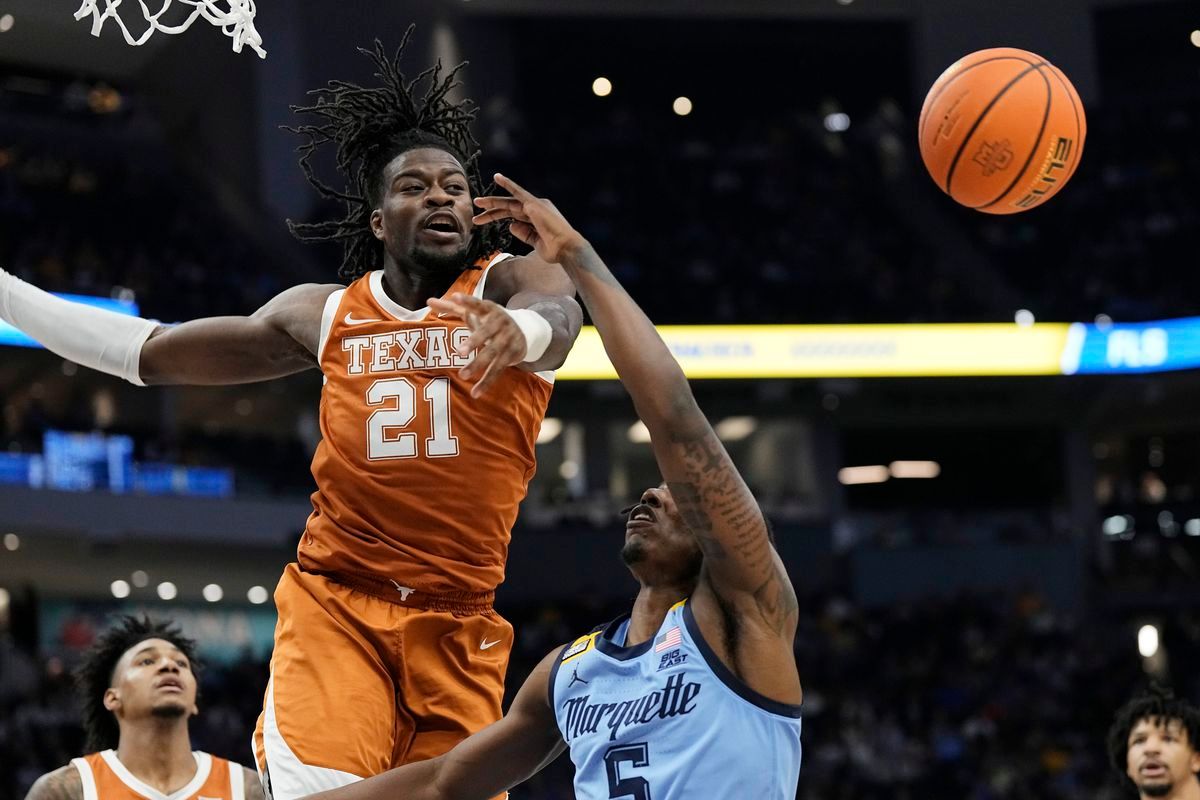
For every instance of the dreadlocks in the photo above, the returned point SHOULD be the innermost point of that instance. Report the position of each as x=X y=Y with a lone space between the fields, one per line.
x=369 y=128
x=94 y=675
x=1158 y=705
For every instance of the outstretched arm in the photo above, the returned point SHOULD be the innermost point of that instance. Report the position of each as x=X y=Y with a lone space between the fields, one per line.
x=485 y=764
x=706 y=486
x=278 y=339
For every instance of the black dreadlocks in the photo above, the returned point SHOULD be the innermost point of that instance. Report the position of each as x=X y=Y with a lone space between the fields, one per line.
x=95 y=674
x=369 y=128
x=1159 y=705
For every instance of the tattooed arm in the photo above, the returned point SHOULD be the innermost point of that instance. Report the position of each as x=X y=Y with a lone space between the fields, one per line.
x=61 y=784
x=252 y=785
x=740 y=561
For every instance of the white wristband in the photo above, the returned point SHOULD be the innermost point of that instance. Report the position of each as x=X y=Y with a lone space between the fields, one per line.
x=537 y=330
x=94 y=337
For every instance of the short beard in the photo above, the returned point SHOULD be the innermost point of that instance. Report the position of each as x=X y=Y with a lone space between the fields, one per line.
x=1156 y=789
x=441 y=263
x=168 y=712
x=633 y=552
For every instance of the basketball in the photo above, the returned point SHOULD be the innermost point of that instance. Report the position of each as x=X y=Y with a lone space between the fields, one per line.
x=1002 y=130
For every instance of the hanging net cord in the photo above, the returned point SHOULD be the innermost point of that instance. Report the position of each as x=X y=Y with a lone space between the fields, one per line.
x=237 y=22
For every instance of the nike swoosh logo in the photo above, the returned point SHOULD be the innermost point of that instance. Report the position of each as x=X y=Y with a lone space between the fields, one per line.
x=485 y=644
x=350 y=320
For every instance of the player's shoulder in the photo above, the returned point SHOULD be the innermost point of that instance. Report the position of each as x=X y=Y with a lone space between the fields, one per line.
x=63 y=783
x=509 y=275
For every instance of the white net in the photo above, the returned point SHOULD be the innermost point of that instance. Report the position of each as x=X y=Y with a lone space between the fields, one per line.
x=237 y=22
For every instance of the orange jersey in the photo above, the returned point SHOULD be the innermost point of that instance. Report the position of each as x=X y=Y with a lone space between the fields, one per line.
x=418 y=483
x=106 y=778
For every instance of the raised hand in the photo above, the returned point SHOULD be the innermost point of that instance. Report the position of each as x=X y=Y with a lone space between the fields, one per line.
x=495 y=336
x=535 y=220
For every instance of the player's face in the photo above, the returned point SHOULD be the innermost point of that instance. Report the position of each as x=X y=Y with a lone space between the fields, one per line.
x=1160 y=757
x=424 y=218
x=659 y=547
x=152 y=679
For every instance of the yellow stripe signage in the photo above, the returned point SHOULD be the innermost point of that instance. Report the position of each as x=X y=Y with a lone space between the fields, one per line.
x=844 y=351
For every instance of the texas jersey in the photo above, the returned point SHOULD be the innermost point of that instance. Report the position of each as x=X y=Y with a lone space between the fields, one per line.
x=665 y=719
x=418 y=483
x=104 y=777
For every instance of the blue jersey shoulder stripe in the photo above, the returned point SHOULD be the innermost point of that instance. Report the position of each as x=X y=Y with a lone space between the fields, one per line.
x=727 y=677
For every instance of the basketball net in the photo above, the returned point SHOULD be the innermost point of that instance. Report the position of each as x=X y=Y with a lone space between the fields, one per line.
x=237 y=23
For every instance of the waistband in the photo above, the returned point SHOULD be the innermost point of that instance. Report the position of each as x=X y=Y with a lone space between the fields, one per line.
x=391 y=591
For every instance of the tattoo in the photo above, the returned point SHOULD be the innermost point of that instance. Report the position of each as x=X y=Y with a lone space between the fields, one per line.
x=777 y=602
x=589 y=261
x=718 y=507
x=63 y=783
x=254 y=787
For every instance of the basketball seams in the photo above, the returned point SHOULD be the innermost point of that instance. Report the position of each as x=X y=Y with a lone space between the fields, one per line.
x=979 y=121
x=931 y=101
x=1037 y=141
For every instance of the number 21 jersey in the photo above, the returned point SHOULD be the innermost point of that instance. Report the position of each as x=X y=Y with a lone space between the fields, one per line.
x=418 y=483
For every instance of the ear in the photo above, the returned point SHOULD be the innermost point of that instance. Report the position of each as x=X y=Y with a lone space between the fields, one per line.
x=112 y=699
x=1194 y=762
x=377 y=223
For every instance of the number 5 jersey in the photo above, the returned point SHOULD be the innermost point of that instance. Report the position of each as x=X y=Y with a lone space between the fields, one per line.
x=418 y=483
x=666 y=720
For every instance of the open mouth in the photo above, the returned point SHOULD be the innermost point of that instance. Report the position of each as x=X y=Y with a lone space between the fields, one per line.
x=442 y=222
x=640 y=516
x=171 y=684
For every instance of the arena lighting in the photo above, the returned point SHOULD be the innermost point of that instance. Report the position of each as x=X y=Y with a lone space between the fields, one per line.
x=734 y=429
x=6 y=23
x=213 y=593
x=682 y=106
x=12 y=542
x=1148 y=641
x=602 y=87
x=1196 y=38
x=167 y=590
x=568 y=470
x=1192 y=527
x=1024 y=317
x=257 y=595
x=4 y=600
x=852 y=476
x=120 y=589
x=551 y=428
x=1115 y=526
x=837 y=123
x=638 y=433
x=140 y=579
x=915 y=469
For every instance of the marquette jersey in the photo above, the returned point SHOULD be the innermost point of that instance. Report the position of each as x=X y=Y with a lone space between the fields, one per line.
x=106 y=778
x=666 y=720
x=418 y=483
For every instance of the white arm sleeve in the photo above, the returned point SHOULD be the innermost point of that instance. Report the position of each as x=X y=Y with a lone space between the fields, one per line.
x=93 y=337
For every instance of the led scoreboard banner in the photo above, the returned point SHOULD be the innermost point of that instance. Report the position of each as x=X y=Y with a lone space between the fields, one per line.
x=878 y=351
x=894 y=351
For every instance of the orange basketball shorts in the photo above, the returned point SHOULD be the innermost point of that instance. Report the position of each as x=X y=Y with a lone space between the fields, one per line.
x=360 y=684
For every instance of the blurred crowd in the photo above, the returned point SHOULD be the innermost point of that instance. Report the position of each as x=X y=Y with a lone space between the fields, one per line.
x=972 y=697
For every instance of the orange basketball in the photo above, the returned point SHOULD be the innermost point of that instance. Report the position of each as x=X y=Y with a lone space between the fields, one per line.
x=1002 y=130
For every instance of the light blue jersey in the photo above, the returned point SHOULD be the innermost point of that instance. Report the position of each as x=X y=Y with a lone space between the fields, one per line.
x=666 y=720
